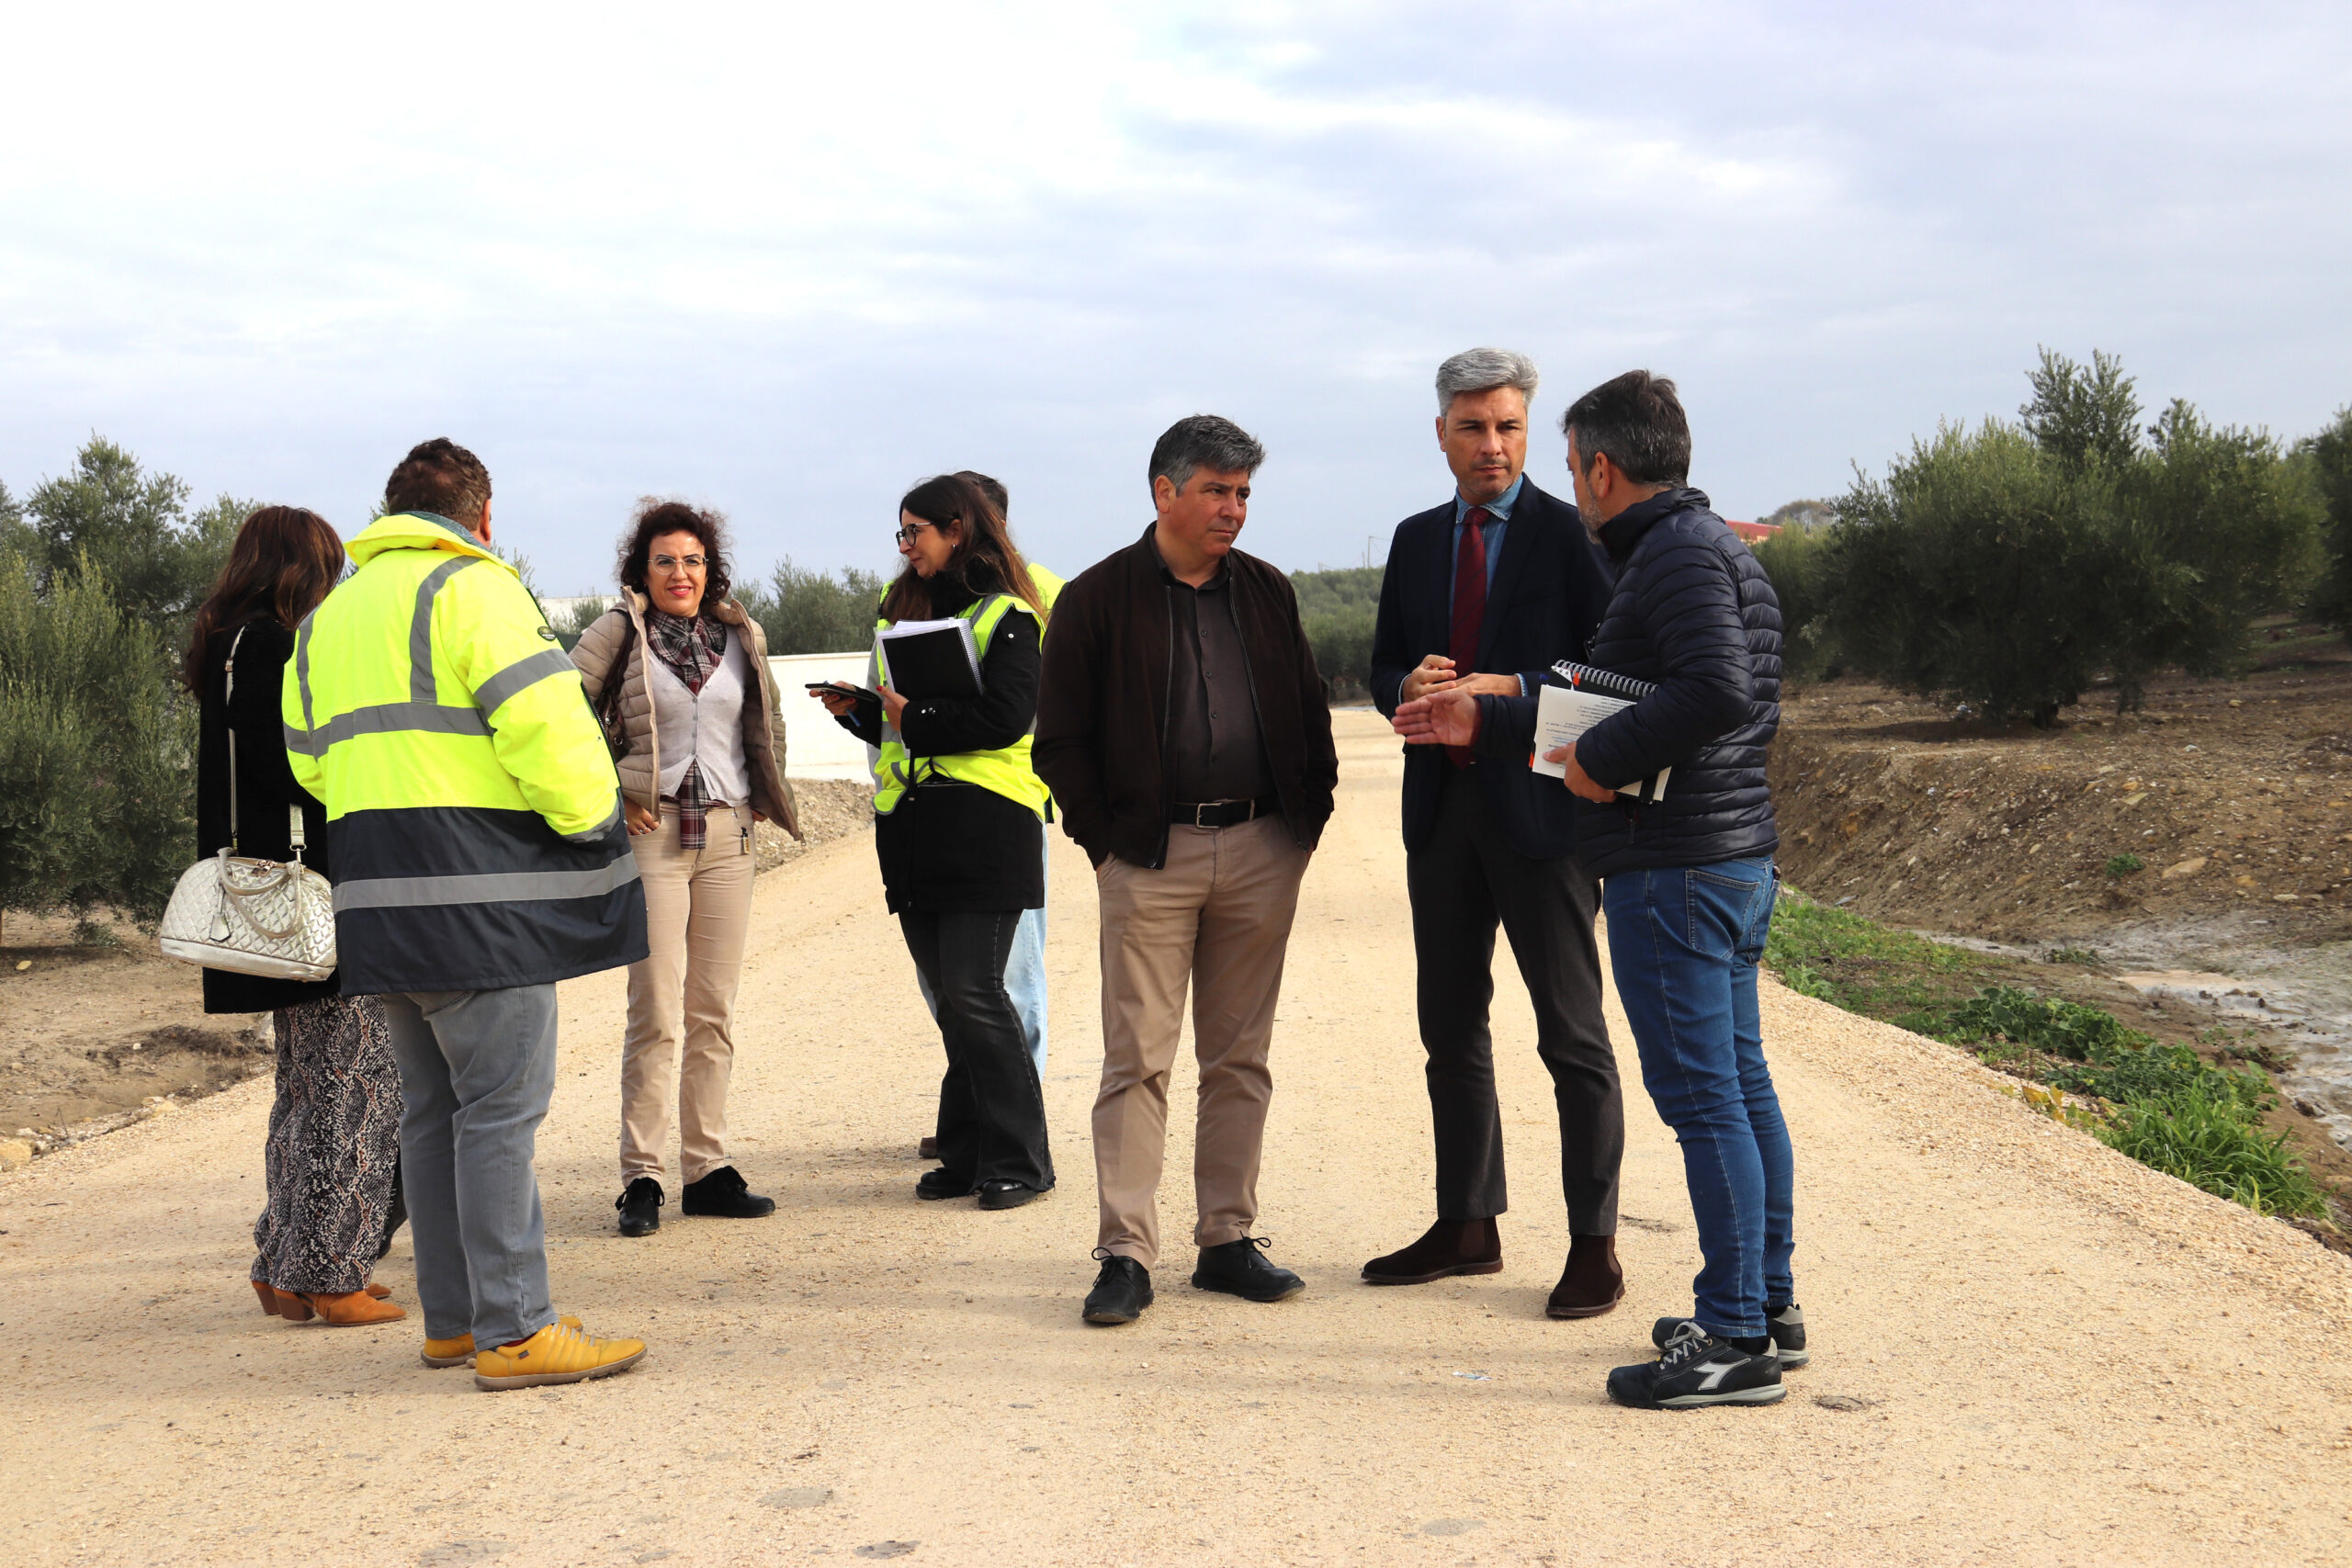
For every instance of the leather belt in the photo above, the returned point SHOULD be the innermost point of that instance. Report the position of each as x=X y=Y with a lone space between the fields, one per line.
x=1222 y=813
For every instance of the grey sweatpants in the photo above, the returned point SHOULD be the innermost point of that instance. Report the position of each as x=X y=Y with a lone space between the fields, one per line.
x=477 y=1070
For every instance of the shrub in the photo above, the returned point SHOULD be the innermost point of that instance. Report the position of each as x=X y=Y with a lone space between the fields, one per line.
x=1797 y=561
x=2124 y=864
x=810 y=612
x=1339 y=610
x=156 y=558
x=2014 y=566
x=2326 y=460
x=98 y=749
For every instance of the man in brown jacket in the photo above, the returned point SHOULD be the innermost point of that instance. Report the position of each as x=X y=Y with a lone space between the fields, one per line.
x=1183 y=727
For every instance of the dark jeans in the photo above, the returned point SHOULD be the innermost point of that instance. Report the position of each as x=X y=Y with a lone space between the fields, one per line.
x=991 y=1110
x=1461 y=883
x=1684 y=945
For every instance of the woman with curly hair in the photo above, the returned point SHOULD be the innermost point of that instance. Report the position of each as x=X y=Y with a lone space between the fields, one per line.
x=678 y=671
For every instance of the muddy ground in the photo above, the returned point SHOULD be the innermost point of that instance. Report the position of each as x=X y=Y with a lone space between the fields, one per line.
x=93 y=1035
x=2234 y=794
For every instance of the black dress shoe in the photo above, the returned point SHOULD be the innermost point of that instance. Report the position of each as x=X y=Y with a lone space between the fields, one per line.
x=1121 y=1292
x=1007 y=1195
x=1240 y=1268
x=1447 y=1248
x=933 y=1185
x=725 y=1195
x=640 y=1205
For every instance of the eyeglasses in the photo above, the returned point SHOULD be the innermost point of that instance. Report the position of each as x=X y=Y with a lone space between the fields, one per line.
x=678 y=563
x=906 y=535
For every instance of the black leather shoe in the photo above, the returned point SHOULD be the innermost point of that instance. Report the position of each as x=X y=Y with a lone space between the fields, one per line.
x=640 y=1205
x=933 y=1185
x=1007 y=1195
x=1121 y=1292
x=725 y=1195
x=1240 y=1268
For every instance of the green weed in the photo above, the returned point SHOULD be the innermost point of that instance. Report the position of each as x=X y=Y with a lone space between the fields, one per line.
x=2205 y=1136
x=2124 y=864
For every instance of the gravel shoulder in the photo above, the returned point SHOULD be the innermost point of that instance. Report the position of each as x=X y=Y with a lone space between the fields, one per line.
x=2028 y=1348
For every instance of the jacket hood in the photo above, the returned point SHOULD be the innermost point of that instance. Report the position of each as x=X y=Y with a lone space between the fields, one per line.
x=1619 y=534
x=417 y=531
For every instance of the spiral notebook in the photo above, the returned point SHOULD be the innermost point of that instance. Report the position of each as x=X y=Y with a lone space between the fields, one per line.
x=931 y=659
x=1586 y=696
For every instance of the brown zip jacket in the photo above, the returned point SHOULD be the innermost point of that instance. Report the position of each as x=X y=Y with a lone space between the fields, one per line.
x=640 y=768
x=1103 y=705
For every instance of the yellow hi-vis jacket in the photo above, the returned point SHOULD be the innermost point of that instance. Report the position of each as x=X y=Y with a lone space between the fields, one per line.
x=1006 y=769
x=472 y=809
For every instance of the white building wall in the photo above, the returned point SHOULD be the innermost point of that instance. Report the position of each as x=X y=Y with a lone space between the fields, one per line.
x=814 y=746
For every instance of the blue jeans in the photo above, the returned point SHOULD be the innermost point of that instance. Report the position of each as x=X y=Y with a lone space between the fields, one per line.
x=1684 y=944
x=1025 y=981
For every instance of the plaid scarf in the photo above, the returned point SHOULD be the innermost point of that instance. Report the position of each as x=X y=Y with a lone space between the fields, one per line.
x=692 y=647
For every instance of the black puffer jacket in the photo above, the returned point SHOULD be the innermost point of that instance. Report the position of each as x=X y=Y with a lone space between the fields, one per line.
x=1694 y=613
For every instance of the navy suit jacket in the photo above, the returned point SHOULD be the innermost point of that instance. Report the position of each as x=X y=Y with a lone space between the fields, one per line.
x=1550 y=591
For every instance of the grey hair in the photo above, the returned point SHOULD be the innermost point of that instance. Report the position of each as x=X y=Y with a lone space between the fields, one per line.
x=1204 y=441
x=1481 y=370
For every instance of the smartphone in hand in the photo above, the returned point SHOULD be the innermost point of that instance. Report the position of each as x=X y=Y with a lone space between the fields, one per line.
x=841 y=689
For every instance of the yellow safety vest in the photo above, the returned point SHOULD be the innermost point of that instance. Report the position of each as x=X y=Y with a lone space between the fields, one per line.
x=472 y=809
x=1005 y=770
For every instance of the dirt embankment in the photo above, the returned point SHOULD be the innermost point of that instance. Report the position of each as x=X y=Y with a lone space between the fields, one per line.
x=2234 y=796
x=92 y=1036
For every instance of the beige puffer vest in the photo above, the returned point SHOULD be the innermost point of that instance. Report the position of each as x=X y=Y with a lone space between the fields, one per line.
x=641 y=770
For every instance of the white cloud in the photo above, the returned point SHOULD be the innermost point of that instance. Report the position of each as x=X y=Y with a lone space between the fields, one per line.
x=789 y=259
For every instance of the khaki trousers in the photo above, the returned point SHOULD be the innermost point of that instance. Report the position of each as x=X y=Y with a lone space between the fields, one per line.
x=1216 y=918
x=682 y=994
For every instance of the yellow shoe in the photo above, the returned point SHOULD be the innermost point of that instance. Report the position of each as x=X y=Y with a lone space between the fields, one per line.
x=458 y=1351
x=558 y=1353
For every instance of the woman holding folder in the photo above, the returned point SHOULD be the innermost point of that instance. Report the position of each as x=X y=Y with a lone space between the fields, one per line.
x=960 y=819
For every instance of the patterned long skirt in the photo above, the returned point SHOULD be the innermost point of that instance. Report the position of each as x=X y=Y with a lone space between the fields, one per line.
x=333 y=1154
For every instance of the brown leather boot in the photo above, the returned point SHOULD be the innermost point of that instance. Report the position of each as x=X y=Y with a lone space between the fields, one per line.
x=1592 y=1283
x=292 y=1308
x=351 y=1309
x=1449 y=1247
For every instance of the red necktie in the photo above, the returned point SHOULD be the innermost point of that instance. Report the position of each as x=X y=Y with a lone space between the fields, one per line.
x=1469 y=605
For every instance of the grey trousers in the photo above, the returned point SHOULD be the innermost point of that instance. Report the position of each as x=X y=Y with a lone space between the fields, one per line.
x=477 y=1070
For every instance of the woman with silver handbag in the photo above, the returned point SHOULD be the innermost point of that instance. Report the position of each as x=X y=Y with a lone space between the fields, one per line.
x=333 y=1159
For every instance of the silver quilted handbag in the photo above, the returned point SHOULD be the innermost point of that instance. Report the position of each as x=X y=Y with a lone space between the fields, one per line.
x=254 y=916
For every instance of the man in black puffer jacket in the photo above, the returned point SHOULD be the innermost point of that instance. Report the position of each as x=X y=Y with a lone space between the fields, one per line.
x=1689 y=882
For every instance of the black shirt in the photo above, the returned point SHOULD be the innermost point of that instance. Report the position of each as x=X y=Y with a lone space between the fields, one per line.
x=1214 y=751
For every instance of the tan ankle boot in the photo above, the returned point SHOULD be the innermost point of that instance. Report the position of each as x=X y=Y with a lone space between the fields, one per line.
x=352 y=1309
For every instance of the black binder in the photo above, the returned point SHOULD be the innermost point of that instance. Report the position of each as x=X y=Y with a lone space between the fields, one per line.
x=922 y=660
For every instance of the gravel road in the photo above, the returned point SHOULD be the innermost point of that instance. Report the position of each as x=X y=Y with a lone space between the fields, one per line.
x=2028 y=1350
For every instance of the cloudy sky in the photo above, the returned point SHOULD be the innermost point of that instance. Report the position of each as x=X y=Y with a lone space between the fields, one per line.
x=788 y=259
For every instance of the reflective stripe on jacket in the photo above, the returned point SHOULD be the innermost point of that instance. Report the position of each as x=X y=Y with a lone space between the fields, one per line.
x=472 y=810
x=1005 y=770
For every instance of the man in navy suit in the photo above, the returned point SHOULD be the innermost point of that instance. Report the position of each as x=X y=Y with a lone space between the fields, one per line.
x=1483 y=595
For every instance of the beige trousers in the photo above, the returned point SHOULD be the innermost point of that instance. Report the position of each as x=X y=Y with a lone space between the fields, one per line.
x=682 y=994
x=1216 y=918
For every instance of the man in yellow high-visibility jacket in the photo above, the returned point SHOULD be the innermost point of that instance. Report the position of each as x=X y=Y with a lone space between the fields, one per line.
x=480 y=857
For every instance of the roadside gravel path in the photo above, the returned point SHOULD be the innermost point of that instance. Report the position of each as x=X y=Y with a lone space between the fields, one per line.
x=2027 y=1349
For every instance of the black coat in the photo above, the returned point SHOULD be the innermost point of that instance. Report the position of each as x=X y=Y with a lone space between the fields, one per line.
x=1694 y=613
x=1549 y=591
x=265 y=787
x=953 y=847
